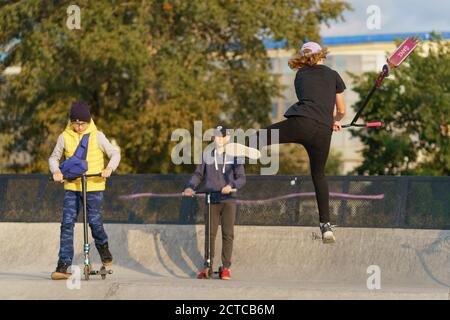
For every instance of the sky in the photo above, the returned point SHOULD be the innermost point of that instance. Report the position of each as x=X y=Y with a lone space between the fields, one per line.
x=397 y=16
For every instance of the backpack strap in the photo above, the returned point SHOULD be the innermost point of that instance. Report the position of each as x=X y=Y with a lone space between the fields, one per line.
x=76 y=165
x=82 y=149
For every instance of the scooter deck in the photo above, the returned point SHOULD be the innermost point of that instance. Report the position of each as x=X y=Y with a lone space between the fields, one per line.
x=103 y=272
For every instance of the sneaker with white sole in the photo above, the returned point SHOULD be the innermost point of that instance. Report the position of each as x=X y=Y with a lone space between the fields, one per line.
x=327 y=233
x=239 y=150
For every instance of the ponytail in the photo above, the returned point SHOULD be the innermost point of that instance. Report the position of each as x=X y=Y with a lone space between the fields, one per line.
x=307 y=59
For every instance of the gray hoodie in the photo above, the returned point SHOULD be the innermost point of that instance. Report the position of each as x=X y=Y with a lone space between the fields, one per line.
x=217 y=172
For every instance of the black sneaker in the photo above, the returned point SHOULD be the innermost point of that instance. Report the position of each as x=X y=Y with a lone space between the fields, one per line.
x=105 y=255
x=327 y=233
x=61 y=271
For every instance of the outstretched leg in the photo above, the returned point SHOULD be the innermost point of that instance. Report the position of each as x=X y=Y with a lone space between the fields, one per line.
x=287 y=131
x=316 y=138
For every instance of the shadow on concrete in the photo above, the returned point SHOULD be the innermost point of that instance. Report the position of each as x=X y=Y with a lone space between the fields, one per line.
x=440 y=246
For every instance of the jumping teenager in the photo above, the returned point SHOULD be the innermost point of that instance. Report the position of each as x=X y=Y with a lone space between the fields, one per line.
x=310 y=122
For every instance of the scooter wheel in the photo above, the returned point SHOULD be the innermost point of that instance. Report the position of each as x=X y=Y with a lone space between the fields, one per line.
x=87 y=271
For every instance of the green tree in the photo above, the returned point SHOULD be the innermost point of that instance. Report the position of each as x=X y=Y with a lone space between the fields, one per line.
x=146 y=68
x=414 y=106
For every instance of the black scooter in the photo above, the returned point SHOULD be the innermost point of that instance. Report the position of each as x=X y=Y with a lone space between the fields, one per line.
x=209 y=195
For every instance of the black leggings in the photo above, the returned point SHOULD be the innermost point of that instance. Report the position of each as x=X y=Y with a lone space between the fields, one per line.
x=316 y=138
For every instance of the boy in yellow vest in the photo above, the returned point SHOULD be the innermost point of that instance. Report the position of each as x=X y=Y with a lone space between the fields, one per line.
x=98 y=145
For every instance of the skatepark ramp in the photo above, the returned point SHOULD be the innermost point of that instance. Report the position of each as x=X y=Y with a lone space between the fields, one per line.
x=161 y=262
x=393 y=240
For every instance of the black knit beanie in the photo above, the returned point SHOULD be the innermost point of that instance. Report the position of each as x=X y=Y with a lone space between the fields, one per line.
x=80 y=112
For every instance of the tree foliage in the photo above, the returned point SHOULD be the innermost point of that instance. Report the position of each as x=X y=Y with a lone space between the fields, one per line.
x=414 y=106
x=146 y=68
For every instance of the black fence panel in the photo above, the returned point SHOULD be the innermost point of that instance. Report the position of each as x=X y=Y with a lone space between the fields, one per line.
x=382 y=201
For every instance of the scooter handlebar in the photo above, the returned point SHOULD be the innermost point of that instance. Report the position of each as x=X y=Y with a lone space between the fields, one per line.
x=77 y=177
x=205 y=192
x=365 y=125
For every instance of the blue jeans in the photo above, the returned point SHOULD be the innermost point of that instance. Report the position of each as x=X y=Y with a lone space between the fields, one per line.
x=73 y=204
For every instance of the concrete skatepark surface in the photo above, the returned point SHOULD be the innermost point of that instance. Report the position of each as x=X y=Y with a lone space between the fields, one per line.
x=162 y=261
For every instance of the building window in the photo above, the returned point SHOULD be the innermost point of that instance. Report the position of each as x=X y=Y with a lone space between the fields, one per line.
x=284 y=65
x=274 y=110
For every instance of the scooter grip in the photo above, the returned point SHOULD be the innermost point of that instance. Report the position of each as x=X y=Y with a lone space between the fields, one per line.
x=50 y=178
x=373 y=124
x=195 y=193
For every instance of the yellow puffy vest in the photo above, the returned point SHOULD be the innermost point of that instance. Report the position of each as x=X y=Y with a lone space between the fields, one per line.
x=94 y=157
